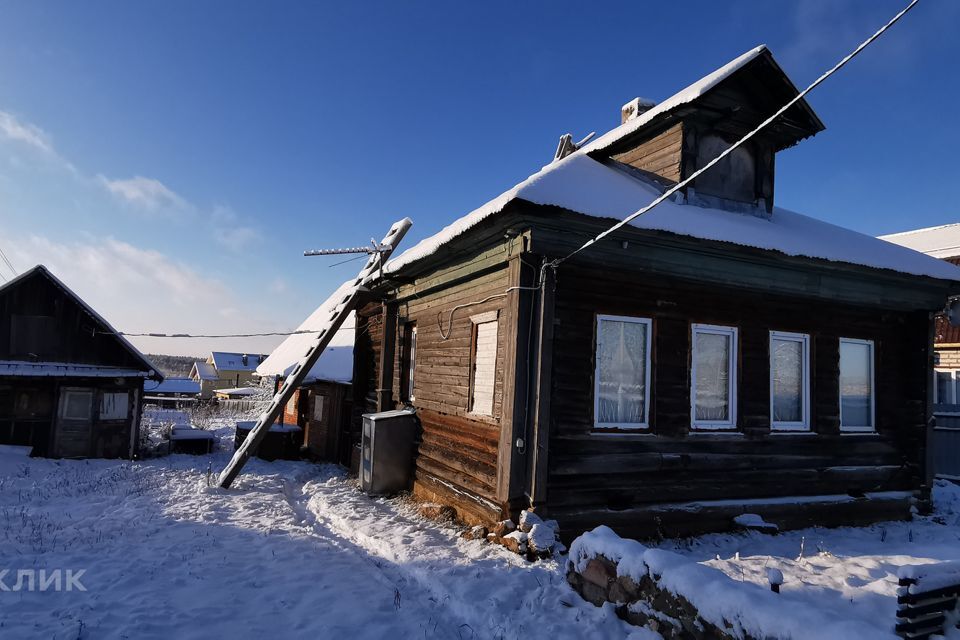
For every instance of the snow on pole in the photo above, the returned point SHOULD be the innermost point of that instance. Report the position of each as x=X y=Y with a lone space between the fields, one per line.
x=369 y=273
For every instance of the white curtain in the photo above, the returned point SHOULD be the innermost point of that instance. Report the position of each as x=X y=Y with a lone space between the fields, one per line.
x=787 y=380
x=713 y=376
x=622 y=372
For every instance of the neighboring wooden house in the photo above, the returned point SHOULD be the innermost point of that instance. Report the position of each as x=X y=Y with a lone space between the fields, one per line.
x=941 y=242
x=322 y=405
x=70 y=386
x=717 y=356
x=224 y=370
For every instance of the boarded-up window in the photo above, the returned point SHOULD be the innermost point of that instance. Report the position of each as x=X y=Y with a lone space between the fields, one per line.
x=32 y=335
x=484 y=363
x=114 y=406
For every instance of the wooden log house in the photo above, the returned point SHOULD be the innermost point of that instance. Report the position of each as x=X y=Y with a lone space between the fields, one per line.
x=717 y=356
x=70 y=386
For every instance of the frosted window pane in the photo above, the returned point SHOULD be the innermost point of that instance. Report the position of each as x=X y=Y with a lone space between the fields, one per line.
x=622 y=372
x=713 y=376
x=856 y=396
x=787 y=380
x=113 y=406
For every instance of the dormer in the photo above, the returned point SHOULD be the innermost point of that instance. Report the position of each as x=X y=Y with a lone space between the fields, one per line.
x=671 y=140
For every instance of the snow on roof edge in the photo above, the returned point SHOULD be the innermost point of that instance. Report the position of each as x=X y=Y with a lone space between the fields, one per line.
x=93 y=313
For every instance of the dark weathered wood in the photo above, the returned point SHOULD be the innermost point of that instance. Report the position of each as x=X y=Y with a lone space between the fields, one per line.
x=385 y=384
x=542 y=391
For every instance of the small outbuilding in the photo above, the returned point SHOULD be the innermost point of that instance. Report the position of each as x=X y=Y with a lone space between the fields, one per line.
x=70 y=385
x=322 y=405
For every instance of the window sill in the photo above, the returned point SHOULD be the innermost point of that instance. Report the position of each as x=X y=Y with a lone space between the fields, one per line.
x=793 y=432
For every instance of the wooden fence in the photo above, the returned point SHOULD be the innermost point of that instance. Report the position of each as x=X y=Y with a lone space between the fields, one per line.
x=927 y=600
x=945 y=444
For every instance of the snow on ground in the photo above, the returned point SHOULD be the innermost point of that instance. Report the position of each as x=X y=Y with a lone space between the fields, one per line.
x=847 y=573
x=293 y=550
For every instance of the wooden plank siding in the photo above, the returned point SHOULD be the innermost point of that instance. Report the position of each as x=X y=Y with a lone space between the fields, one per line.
x=458 y=448
x=659 y=155
x=632 y=479
x=457 y=458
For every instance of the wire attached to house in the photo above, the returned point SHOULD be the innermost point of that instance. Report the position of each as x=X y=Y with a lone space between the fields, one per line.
x=449 y=323
x=669 y=192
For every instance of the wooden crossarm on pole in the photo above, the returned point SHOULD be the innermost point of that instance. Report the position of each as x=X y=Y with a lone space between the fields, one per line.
x=344 y=306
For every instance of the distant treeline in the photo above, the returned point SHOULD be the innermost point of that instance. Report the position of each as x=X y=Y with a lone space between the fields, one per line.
x=178 y=366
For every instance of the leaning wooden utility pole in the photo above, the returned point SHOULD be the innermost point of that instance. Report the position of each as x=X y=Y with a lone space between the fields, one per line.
x=370 y=272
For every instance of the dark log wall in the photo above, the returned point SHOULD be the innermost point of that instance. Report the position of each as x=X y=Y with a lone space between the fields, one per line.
x=659 y=155
x=457 y=456
x=617 y=479
x=70 y=329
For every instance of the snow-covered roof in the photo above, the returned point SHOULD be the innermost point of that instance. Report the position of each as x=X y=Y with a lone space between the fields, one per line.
x=173 y=385
x=25 y=369
x=236 y=391
x=682 y=97
x=227 y=361
x=581 y=184
x=940 y=242
x=204 y=371
x=335 y=364
x=150 y=370
x=594 y=187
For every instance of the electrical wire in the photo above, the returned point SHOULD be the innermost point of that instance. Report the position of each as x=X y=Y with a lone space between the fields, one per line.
x=214 y=335
x=669 y=192
x=8 y=263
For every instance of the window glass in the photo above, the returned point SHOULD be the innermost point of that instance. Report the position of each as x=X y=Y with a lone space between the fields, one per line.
x=712 y=378
x=856 y=384
x=789 y=380
x=113 y=406
x=622 y=371
x=77 y=405
x=944 y=387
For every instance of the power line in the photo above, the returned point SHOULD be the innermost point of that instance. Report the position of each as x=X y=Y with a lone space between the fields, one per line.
x=127 y=334
x=9 y=264
x=669 y=192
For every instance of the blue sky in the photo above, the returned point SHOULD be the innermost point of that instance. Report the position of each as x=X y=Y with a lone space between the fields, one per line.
x=171 y=160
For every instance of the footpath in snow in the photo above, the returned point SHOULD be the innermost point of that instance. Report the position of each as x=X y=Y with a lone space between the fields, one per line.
x=294 y=550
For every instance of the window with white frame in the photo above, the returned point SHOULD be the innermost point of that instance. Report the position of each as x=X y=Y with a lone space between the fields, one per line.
x=856 y=385
x=945 y=387
x=621 y=393
x=483 y=374
x=713 y=392
x=789 y=381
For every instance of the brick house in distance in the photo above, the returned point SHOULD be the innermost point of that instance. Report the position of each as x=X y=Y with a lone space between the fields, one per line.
x=941 y=242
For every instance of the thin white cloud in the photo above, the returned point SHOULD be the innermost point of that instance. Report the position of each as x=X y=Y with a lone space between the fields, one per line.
x=13 y=129
x=146 y=193
x=143 y=290
x=229 y=231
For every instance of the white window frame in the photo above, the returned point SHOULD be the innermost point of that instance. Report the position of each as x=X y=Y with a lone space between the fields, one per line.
x=731 y=423
x=490 y=317
x=804 y=340
x=648 y=363
x=953 y=386
x=873 y=388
